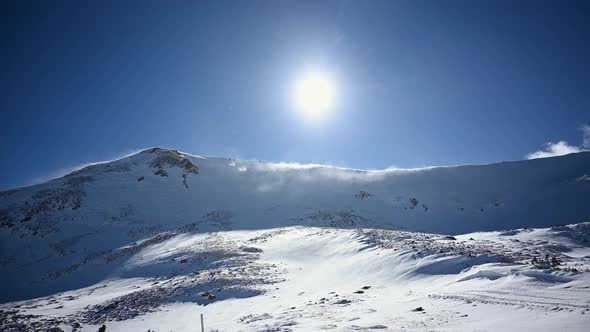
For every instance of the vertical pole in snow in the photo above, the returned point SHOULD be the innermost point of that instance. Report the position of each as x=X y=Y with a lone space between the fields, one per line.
x=202 y=324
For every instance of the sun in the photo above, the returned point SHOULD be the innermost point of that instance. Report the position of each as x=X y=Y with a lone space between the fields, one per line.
x=314 y=93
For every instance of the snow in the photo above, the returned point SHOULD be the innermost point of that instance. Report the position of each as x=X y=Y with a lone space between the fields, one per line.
x=333 y=265
x=144 y=242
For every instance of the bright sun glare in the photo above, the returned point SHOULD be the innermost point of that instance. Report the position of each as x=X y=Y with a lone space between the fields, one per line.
x=314 y=93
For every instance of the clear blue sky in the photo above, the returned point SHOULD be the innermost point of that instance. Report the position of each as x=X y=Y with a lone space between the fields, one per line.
x=419 y=82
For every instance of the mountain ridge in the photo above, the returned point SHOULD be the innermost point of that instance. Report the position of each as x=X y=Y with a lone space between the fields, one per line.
x=180 y=225
x=296 y=164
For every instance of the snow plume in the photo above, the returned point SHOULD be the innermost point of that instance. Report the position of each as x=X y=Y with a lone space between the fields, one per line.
x=58 y=173
x=561 y=148
x=553 y=150
x=276 y=176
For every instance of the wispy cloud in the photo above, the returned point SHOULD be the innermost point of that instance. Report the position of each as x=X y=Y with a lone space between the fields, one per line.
x=561 y=148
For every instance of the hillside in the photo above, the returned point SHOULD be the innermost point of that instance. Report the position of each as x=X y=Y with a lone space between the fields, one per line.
x=145 y=241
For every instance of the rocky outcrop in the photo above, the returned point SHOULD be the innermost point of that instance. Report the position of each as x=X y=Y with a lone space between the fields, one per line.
x=166 y=159
x=362 y=195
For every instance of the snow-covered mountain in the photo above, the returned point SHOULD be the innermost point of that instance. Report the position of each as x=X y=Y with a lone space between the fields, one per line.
x=152 y=240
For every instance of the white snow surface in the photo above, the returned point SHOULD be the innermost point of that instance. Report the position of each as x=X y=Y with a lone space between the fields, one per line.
x=153 y=240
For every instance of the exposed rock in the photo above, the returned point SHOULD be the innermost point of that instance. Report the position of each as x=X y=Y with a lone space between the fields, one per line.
x=251 y=249
x=161 y=172
x=362 y=195
x=171 y=158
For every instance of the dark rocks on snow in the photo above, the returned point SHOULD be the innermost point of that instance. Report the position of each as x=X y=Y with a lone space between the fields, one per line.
x=173 y=158
x=209 y=296
x=161 y=172
x=362 y=195
x=140 y=178
x=377 y=327
x=251 y=249
x=418 y=309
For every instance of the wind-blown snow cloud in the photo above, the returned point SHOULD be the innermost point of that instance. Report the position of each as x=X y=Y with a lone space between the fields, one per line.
x=277 y=176
x=58 y=173
x=562 y=147
x=554 y=149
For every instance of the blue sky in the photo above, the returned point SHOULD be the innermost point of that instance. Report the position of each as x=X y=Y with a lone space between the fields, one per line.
x=418 y=82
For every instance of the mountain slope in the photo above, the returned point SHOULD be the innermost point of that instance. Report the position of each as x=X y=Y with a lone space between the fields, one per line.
x=163 y=184
x=197 y=224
